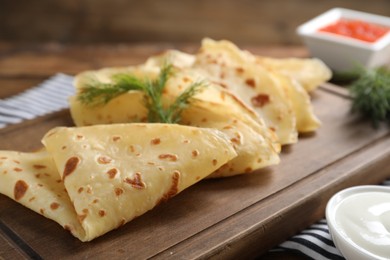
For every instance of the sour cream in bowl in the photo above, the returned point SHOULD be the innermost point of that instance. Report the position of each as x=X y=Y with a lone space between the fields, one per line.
x=359 y=222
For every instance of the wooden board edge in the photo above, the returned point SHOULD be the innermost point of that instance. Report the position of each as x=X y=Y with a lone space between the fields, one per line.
x=336 y=90
x=53 y=116
x=13 y=247
x=299 y=210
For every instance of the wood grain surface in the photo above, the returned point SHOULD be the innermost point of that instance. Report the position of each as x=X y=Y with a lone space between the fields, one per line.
x=241 y=216
x=245 y=21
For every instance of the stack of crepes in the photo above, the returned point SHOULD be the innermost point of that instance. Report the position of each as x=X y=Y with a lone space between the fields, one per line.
x=113 y=166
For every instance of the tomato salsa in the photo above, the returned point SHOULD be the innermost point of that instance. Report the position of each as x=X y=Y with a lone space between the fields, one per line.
x=356 y=29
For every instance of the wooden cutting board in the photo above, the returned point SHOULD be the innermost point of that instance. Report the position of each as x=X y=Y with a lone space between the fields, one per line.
x=226 y=218
x=241 y=216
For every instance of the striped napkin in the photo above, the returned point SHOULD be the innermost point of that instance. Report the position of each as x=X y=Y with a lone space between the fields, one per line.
x=314 y=242
x=52 y=95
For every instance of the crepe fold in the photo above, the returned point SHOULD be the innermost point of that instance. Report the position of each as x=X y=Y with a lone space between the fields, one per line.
x=276 y=89
x=94 y=179
x=214 y=107
x=266 y=85
x=260 y=103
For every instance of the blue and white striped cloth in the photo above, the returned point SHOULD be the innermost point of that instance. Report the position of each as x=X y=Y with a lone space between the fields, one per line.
x=49 y=96
x=314 y=242
x=52 y=95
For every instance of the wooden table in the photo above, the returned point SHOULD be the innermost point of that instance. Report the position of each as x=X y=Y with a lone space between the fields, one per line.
x=242 y=216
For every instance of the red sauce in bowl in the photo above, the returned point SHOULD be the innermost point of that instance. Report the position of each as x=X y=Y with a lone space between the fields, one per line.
x=356 y=29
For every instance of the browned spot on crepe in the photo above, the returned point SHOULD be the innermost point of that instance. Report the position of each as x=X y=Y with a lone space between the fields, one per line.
x=20 y=189
x=70 y=166
x=173 y=190
x=112 y=172
x=168 y=157
x=155 y=141
x=260 y=100
x=136 y=182
x=104 y=160
x=54 y=206
x=39 y=166
x=250 y=82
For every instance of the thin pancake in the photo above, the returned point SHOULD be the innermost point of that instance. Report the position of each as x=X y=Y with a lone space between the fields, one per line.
x=217 y=108
x=291 y=76
x=114 y=173
x=255 y=149
x=94 y=179
x=310 y=73
x=259 y=88
x=33 y=180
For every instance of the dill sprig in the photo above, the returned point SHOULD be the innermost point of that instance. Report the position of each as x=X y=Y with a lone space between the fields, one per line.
x=371 y=94
x=182 y=101
x=96 y=93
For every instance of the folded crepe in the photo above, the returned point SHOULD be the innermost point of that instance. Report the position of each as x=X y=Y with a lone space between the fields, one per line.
x=214 y=107
x=261 y=94
x=181 y=80
x=274 y=88
x=275 y=97
x=94 y=179
x=310 y=73
x=253 y=146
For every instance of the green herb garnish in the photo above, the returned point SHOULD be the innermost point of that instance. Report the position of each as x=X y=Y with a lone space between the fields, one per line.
x=97 y=93
x=371 y=94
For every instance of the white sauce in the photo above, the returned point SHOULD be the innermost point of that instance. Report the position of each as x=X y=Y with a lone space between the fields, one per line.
x=364 y=219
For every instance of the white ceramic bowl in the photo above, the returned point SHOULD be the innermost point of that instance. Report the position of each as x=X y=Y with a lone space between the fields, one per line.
x=342 y=53
x=344 y=237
